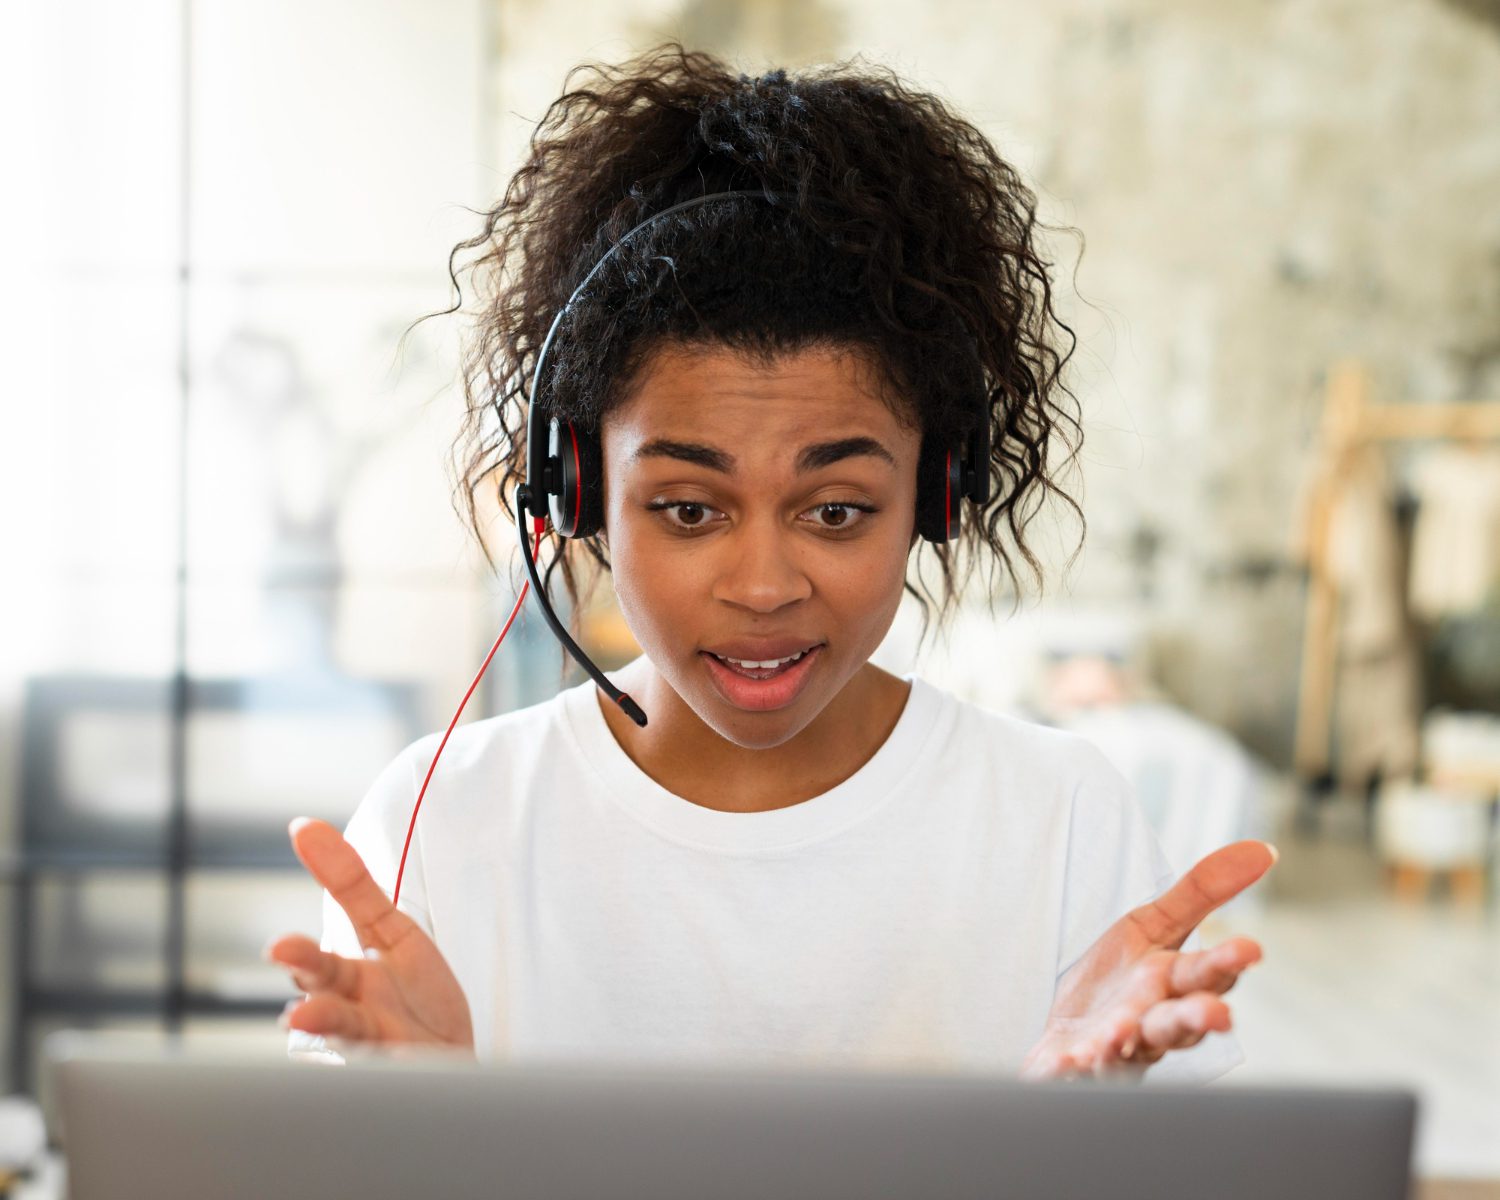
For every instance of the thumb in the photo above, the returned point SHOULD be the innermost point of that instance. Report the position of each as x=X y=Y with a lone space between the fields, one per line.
x=1211 y=882
x=336 y=865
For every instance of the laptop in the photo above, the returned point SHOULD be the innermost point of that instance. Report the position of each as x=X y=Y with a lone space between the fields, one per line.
x=157 y=1125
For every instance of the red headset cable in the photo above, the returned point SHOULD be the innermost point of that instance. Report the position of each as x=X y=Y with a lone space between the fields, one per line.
x=411 y=828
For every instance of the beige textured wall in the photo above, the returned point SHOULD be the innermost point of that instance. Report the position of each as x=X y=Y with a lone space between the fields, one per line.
x=1263 y=188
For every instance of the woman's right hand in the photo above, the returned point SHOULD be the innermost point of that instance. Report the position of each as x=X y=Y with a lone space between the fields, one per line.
x=401 y=991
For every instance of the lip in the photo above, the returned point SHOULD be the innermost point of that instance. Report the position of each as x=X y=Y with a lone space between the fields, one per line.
x=763 y=695
x=749 y=650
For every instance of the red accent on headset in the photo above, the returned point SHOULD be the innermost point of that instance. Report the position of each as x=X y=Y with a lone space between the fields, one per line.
x=577 y=478
x=948 y=494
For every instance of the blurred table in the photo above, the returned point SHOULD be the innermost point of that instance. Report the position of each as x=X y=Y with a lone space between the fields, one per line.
x=49 y=1183
x=1458 y=1189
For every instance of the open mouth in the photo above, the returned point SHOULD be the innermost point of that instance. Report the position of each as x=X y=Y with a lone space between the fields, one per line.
x=761 y=670
x=760 y=685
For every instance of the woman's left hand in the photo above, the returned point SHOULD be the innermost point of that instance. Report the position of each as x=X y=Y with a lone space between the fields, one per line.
x=1134 y=995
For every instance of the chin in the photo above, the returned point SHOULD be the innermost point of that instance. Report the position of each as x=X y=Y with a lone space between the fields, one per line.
x=751 y=731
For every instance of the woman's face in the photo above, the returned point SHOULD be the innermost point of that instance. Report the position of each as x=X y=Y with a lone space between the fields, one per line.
x=756 y=513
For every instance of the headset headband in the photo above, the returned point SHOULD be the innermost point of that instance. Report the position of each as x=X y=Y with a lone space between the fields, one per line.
x=536 y=443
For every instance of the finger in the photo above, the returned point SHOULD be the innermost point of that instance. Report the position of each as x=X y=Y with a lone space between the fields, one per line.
x=1143 y=1056
x=1121 y=1067
x=1042 y=1069
x=1215 y=970
x=330 y=1016
x=1051 y=1064
x=1213 y=881
x=1106 y=1057
x=1107 y=1046
x=1177 y=1024
x=314 y=969
x=337 y=866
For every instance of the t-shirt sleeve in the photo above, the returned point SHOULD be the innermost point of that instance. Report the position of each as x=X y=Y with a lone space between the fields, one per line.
x=377 y=830
x=1115 y=864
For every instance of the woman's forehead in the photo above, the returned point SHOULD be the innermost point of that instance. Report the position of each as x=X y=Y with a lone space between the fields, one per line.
x=801 y=395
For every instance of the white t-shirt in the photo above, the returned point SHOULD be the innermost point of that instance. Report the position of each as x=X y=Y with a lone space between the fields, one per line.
x=917 y=915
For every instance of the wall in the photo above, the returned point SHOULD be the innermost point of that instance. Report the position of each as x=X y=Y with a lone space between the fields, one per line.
x=1261 y=188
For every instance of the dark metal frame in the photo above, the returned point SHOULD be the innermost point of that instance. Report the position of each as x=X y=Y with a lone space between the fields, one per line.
x=55 y=838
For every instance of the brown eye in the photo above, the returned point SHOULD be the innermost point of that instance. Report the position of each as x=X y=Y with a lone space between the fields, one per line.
x=684 y=514
x=838 y=515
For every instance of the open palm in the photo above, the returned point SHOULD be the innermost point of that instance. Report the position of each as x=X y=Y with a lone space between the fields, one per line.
x=1135 y=995
x=402 y=991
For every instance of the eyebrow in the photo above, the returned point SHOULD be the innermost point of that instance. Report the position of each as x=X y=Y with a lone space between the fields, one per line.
x=811 y=458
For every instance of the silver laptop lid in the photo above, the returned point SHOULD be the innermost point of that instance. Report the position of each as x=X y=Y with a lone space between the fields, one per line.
x=147 y=1126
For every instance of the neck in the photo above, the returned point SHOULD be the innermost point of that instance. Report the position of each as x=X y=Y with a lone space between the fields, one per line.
x=692 y=760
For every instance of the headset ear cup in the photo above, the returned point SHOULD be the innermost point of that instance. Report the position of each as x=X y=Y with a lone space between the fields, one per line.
x=590 y=502
x=575 y=497
x=939 y=478
x=953 y=491
x=976 y=468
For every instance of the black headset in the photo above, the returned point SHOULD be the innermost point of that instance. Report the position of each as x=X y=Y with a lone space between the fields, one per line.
x=565 y=467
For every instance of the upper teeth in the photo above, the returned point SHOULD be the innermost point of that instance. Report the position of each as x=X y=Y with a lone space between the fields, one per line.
x=763 y=666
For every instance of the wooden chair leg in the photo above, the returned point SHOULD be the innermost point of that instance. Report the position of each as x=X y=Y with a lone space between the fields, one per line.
x=1467 y=885
x=1410 y=883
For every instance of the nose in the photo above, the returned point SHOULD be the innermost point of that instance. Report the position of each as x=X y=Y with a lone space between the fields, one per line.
x=758 y=568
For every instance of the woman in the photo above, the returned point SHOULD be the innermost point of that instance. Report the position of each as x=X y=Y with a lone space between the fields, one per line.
x=801 y=858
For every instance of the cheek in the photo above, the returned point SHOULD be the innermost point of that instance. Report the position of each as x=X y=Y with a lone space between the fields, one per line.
x=852 y=580
x=867 y=592
x=656 y=590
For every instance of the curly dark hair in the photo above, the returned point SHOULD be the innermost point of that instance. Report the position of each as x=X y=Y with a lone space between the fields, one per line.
x=901 y=233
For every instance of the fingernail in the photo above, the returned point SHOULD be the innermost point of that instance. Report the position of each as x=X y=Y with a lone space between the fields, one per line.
x=1275 y=853
x=297 y=824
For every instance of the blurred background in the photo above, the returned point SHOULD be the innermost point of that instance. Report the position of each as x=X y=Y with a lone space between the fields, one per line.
x=235 y=585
